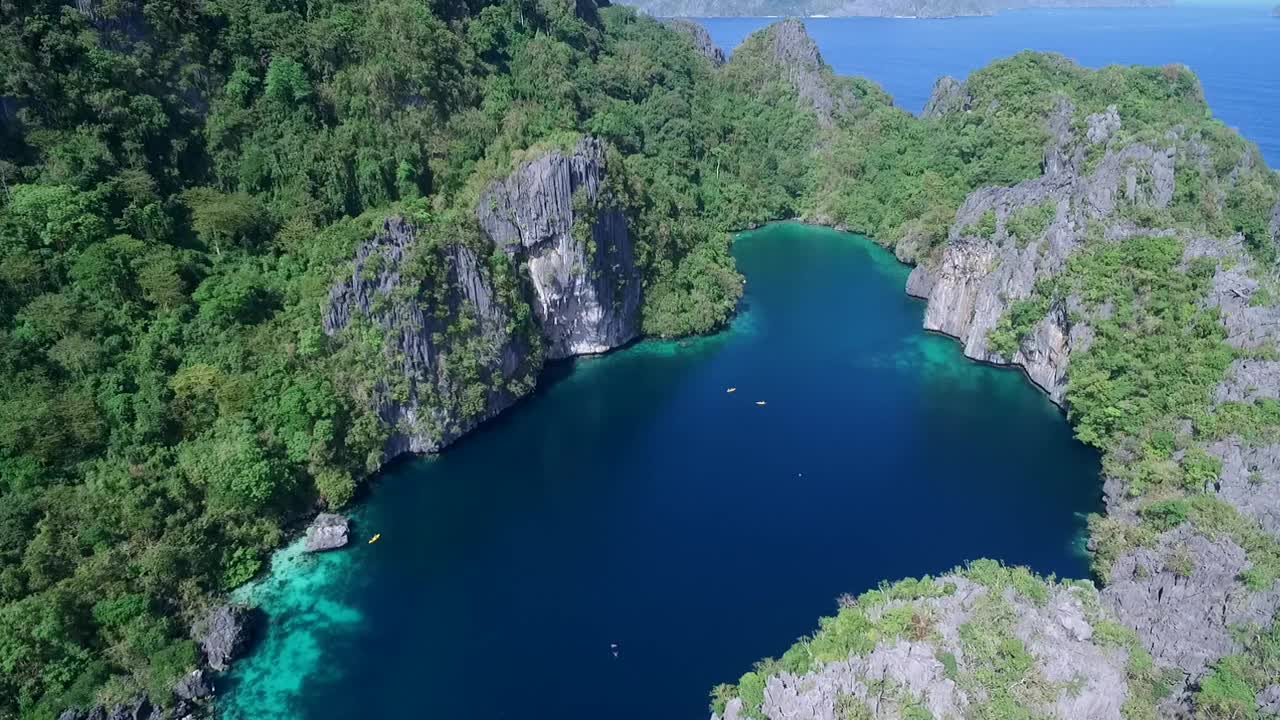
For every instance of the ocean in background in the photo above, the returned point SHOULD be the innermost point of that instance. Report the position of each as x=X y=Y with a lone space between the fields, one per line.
x=632 y=500
x=1234 y=50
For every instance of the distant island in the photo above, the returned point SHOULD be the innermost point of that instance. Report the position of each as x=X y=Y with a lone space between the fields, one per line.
x=866 y=8
x=1275 y=11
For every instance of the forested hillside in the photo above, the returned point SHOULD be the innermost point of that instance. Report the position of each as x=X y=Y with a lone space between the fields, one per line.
x=180 y=185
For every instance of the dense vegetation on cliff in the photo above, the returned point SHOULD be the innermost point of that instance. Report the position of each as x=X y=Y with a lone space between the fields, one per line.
x=179 y=186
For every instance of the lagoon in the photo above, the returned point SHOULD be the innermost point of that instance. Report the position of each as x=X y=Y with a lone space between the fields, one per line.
x=634 y=501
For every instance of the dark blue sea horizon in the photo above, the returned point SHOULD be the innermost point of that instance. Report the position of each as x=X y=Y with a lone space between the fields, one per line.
x=1235 y=51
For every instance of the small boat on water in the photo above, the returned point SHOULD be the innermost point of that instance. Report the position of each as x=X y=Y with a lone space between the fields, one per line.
x=375 y=538
x=761 y=403
x=731 y=390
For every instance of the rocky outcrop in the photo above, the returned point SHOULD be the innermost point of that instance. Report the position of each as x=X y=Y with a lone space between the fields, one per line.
x=327 y=532
x=224 y=635
x=979 y=277
x=948 y=96
x=797 y=57
x=700 y=38
x=555 y=216
x=439 y=381
x=455 y=351
x=1183 y=596
x=939 y=669
x=195 y=686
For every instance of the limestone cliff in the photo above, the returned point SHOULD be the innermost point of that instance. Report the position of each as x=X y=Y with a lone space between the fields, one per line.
x=950 y=663
x=455 y=349
x=554 y=215
x=790 y=53
x=948 y=96
x=700 y=38
x=979 y=276
x=452 y=360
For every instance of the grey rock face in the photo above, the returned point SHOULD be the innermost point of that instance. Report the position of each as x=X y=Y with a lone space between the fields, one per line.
x=1269 y=698
x=137 y=710
x=1100 y=126
x=920 y=282
x=1248 y=326
x=554 y=214
x=797 y=55
x=1184 y=618
x=899 y=673
x=327 y=532
x=701 y=39
x=193 y=687
x=1250 y=380
x=427 y=410
x=223 y=635
x=1250 y=480
x=979 y=278
x=555 y=220
x=948 y=96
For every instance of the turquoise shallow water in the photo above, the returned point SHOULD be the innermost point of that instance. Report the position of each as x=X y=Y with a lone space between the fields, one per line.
x=633 y=501
x=1234 y=50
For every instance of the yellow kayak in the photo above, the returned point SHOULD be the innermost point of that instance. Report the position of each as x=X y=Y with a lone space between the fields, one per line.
x=375 y=538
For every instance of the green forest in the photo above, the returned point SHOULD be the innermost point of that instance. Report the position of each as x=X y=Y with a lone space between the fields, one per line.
x=182 y=183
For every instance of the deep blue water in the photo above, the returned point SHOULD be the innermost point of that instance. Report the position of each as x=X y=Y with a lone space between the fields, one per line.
x=634 y=501
x=1234 y=50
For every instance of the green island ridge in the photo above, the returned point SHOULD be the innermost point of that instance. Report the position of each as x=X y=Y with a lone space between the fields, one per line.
x=250 y=251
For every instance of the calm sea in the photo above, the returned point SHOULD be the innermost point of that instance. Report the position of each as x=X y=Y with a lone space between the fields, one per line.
x=1235 y=51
